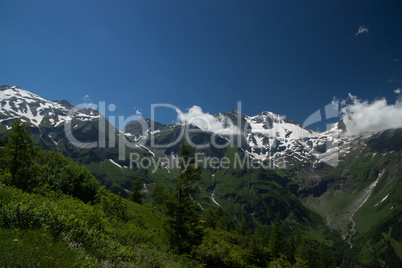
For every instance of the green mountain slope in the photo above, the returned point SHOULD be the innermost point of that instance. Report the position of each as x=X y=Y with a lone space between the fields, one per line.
x=363 y=203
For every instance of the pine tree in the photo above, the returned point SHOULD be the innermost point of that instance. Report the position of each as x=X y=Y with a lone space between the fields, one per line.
x=292 y=244
x=186 y=218
x=275 y=240
x=3 y=142
x=22 y=153
x=136 y=194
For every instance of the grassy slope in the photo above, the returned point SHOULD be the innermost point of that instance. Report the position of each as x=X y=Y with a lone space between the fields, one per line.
x=373 y=220
x=67 y=231
x=36 y=247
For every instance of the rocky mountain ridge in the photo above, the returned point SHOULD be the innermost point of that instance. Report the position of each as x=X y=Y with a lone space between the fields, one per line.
x=18 y=103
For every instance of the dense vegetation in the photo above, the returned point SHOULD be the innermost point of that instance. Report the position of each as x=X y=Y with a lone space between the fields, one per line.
x=54 y=212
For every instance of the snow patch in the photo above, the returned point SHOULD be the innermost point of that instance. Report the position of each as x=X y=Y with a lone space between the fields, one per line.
x=200 y=206
x=382 y=200
x=213 y=199
x=116 y=164
x=146 y=148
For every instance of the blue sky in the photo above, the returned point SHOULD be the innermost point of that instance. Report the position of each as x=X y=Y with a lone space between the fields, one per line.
x=288 y=57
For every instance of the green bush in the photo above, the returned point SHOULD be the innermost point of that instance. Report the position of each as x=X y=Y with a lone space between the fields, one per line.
x=111 y=204
x=34 y=170
x=65 y=175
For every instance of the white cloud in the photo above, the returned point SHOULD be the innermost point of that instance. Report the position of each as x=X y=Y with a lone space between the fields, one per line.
x=363 y=116
x=88 y=103
x=362 y=30
x=207 y=122
x=397 y=91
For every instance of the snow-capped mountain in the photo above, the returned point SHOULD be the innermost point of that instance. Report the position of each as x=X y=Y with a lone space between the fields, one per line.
x=48 y=121
x=283 y=141
x=18 y=103
x=268 y=137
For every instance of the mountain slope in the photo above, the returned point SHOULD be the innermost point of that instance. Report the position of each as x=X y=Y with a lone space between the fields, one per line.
x=362 y=198
x=18 y=103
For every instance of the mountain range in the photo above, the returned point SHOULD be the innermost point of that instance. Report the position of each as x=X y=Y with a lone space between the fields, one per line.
x=340 y=189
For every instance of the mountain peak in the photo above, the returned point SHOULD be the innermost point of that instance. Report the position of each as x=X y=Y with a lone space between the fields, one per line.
x=136 y=128
x=14 y=90
x=66 y=103
x=270 y=114
x=16 y=103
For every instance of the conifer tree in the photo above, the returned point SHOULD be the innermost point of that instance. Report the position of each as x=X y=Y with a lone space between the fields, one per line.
x=136 y=194
x=275 y=240
x=186 y=219
x=22 y=152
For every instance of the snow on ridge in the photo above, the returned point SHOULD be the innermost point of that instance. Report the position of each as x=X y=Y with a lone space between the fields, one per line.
x=116 y=164
x=146 y=148
x=272 y=125
x=165 y=167
x=381 y=200
x=14 y=91
x=16 y=102
x=213 y=199
x=22 y=103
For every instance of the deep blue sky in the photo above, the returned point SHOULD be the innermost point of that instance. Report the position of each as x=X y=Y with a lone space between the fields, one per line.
x=288 y=57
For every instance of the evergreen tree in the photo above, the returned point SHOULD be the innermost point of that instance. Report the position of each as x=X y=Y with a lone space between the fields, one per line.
x=3 y=142
x=209 y=218
x=165 y=200
x=136 y=194
x=275 y=240
x=216 y=219
x=21 y=151
x=225 y=223
x=186 y=218
x=293 y=242
x=242 y=228
x=160 y=195
x=291 y=247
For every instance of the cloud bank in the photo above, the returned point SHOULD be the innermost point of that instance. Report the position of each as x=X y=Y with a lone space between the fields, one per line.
x=88 y=103
x=363 y=116
x=207 y=122
x=359 y=117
